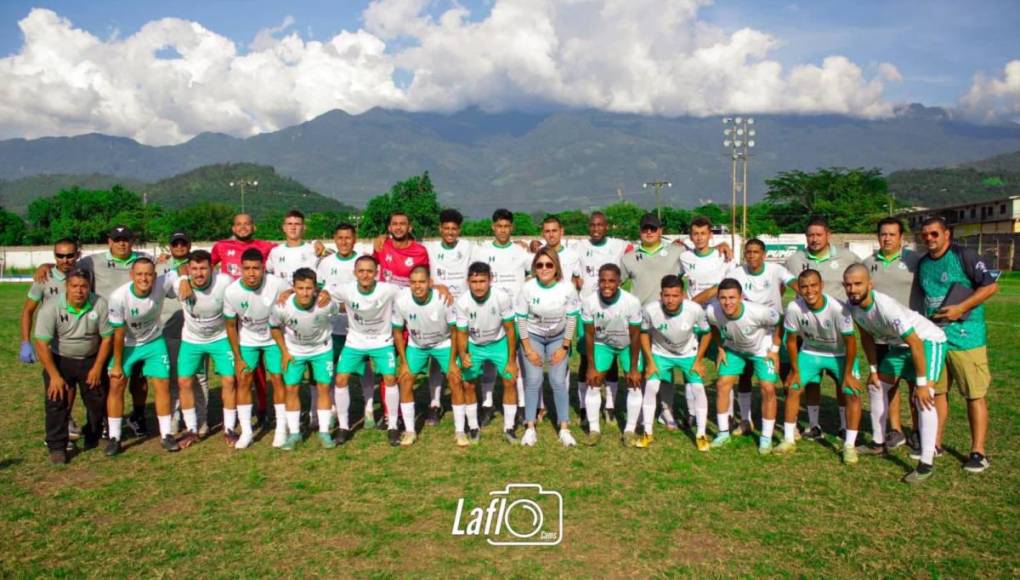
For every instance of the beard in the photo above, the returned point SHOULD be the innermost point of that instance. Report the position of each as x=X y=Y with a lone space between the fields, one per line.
x=402 y=238
x=247 y=238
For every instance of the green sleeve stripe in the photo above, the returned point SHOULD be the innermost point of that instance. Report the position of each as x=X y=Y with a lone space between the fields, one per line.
x=395 y=325
x=907 y=333
x=229 y=316
x=34 y=298
x=108 y=333
x=634 y=323
x=117 y=324
x=573 y=313
x=459 y=327
x=42 y=338
x=851 y=333
x=511 y=319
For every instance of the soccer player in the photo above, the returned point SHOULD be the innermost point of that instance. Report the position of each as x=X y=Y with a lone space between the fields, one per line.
x=72 y=340
x=829 y=346
x=945 y=266
x=247 y=308
x=674 y=335
x=138 y=342
x=399 y=252
x=429 y=322
x=747 y=334
x=301 y=329
x=916 y=354
x=612 y=320
x=547 y=310
x=485 y=334
x=830 y=262
x=369 y=305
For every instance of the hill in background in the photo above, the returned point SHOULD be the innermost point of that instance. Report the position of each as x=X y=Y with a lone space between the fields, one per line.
x=991 y=178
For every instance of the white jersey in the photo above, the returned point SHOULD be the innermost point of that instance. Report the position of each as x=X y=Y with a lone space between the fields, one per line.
x=612 y=320
x=333 y=272
x=139 y=315
x=765 y=286
x=203 y=311
x=547 y=307
x=428 y=325
x=484 y=320
x=703 y=271
x=594 y=256
x=822 y=330
x=750 y=332
x=284 y=260
x=254 y=307
x=449 y=266
x=369 y=316
x=570 y=263
x=510 y=265
x=677 y=334
x=889 y=322
x=306 y=331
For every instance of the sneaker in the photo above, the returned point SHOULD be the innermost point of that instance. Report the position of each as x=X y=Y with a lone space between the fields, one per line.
x=170 y=444
x=976 y=463
x=71 y=447
x=342 y=436
x=230 y=437
x=841 y=434
x=644 y=442
x=872 y=448
x=326 y=440
x=814 y=433
x=113 y=447
x=530 y=437
x=73 y=430
x=916 y=455
x=593 y=438
x=461 y=439
x=393 y=436
x=485 y=416
x=407 y=439
x=850 y=455
x=721 y=439
x=519 y=418
x=894 y=439
x=914 y=441
x=510 y=437
x=291 y=442
x=474 y=436
x=666 y=418
x=702 y=443
x=567 y=439
x=765 y=446
x=432 y=419
x=382 y=425
x=58 y=457
x=785 y=447
x=244 y=441
x=279 y=439
x=747 y=428
x=921 y=473
x=187 y=439
x=203 y=430
x=629 y=439
x=137 y=425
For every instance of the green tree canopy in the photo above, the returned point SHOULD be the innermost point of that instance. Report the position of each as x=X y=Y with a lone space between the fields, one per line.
x=12 y=229
x=415 y=197
x=852 y=200
x=83 y=215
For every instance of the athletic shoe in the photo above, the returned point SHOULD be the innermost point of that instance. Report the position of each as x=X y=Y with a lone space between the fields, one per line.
x=292 y=441
x=850 y=455
x=814 y=433
x=326 y=440
x=244 y=441
x=407 y=439
x=485 y=416
x=73 y=430
x=629 y=439
x=921 y=473
x=71 y=447
x=342 y=436
x=187 y=439
x=765 y=446
x=137 y=425
x=644 y=442
x=914 y=441
x=976 y=463
x=170 y=444
x=433 y=417
x=104 y=435
x=722 y=438
x=113 y=447
x=279 y=439
x=593 y=438
x=916 y=455
x=461 y=439
x=666 y=418
x=474 y=436
x=894 y=439
x=785 y=447
x=382 y=424
x=530 y=437
x=393 y=436
x=702 y=443
x=510 y=437
x=567 y=439
x=519 y=418
x=58 y=457
x=230 y=437
x=203 y=430
x=841 y=434
x=871 y=448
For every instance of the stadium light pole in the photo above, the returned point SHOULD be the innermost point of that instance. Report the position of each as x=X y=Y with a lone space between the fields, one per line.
x=242 y=183
x=738 y=137
x=658 y=184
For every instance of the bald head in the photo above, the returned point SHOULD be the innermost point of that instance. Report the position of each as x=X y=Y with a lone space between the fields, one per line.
x=243 y=227
x=857 y=284
x=856 y=269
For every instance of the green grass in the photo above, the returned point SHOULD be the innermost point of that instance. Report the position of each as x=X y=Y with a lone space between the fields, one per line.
x=371 y=510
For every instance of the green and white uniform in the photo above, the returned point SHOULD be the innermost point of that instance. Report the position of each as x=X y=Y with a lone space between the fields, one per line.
x=510 y=265
x=612 y=321
x=675 y=337
x=703 y=270
x=823 y=348
x=306 y=333
x=284 y=260
x=204 y=332
x=448 y=266
x=143 y=327
x=593 y=256
x=746 y=339
x=890 y=322
x=764 y=286
x=369 y=330
x=546 y=308
x=254 y=306
x=332 y=273
x=483 y=320
x=429 y=327
x=52 y=287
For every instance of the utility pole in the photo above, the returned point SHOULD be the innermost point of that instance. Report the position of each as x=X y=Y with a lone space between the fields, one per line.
x=242 y=183
x=658 y=184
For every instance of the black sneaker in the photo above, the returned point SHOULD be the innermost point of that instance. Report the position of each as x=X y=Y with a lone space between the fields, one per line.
x=58 y=456
x=894 y=439
x=871 y=448
x=510 y=437
x=380 y=425
x=137 y=425
x=976 y=463
x=485 y=416
x=342 y=436
x=433 y=417
x=921 y=473
x=104 y=434
x=474 y=436
x=813 y=433
x=170 y=444
x=914 y=441
x=113 y=448
x=394 y=437
x=916 y=455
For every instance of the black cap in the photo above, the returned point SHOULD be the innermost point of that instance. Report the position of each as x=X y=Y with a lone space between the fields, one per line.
x=650 y=220
x=120 y=232
x=179 y=236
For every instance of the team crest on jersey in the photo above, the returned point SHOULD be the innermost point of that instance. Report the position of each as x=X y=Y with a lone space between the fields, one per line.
x=92 y=316
x=747 y=331
x=945 y=277
x=134 y=312
x=408 y=262
x=244 y=305
x=834 y=265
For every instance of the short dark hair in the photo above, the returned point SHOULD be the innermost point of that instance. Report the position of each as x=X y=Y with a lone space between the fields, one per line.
x=448 y=216
x=304 y=274
x=294 y=213
x=420 y=268
x=935 y=219
x=889 y=221
x=551 y=219
x=817 y=220
x=804 y=275
x=610 y=267
x=253 y=255
x=143 y=260
x=701 y=221
x=502 y=214
x=596 y=213
x=79 y=273
x=479 y=268
x=345 y=226
x=730 y=284
x=367 y=257
x=389 y=220
x=755 y=242
x=671 y=281
x=199 y=256
x=66 y=242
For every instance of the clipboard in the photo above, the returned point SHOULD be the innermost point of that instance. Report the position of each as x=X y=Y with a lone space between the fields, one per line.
x=957 y=294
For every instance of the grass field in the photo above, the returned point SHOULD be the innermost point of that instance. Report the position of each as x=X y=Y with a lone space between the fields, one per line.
x=372 y=510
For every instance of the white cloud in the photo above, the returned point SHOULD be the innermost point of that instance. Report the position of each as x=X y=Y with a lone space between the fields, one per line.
x=994 y=99
x=642 y=56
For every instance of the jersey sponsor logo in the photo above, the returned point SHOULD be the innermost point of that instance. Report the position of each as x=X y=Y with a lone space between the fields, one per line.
x=64 y=318
x=244 y=305
x=412 y=317
x=535 y=300
x=354 y=305
x=134 y=312
x=473 y=315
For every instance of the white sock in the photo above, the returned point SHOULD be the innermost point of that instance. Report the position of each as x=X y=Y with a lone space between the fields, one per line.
x=164 y=425
x=744 y=400
x=114 y=424
x=634 y=400
x=458 y=418
x=812 y=413
x=435 y=386
x=244 y=417
x=369 y=408
x=392 y=394
x=325 y=419
x=879 y=411
x=700 y=407
x=842 y=417
x=767 y=427
x=851 y=438
x=487 y=394
x=281 y=417
x=689 y=397
x=582 y=394
x=190 y=419
x=520 y=391
x=471 y=414
x=407 y=410
x=509 y=414
x=488 y=384
x=343 y=407
x=723 y=420
x=790 y=432
x=929 y=420
x=614 y=388
x=229 y=419
x=592 y=406
x=294 y=421
x=648 y=404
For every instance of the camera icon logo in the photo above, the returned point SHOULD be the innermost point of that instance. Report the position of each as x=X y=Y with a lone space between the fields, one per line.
x=521 y=514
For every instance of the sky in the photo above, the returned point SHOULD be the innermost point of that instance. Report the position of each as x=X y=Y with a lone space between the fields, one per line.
x=162 y=72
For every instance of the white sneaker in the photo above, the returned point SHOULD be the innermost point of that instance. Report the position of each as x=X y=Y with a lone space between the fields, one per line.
x=567 y=439
x=279 y=438
x=530 y=437
x=245 y=440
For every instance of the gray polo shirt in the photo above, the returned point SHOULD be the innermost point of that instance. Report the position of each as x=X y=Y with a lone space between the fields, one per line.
x=646 y=269
x=70 y=332
x=894 y=277
x=108 y=273
x=52 y=287
x=831 y=267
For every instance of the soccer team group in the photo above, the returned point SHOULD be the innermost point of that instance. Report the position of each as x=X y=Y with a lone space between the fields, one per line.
x=470 y=315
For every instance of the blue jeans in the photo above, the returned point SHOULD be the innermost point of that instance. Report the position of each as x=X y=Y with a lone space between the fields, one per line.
x=533 y=375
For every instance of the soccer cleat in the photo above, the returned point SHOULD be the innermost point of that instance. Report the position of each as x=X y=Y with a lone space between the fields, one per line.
x=530 y=437
x=244 y=441
x=921 y=473
x=342 y=436
x=644 y=442
x=203 y=430
x=765 y=446
x=73 y=430
x=407 y=439
x=435 y=414
x=666 y=418
x=785 y=447
x=702 y=443
x=170 y=444
x=137 y=425
x=871 y=448
x=230 y=437
x=485 y=416
x=461 y=439
x=58 y=457
x=187 y=439
x=279 y=439
x=916 y=455
x=593 y=438
x=814 y=433
x=510 y=437
x=393 y=436
x=629 y=439
x=326 y=440
x=113 y=447
x=850 y=455
x=567 y=439
x=722 y=438
x=474 y=436
x=976 y=463
x=292 y=441
x=894 y=439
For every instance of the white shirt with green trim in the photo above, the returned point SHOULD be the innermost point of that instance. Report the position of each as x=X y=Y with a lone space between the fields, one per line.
x=428 y=325
x=594 y=256
x=203 y=311
x=369 y=315
x=674 y=334
x=510 y=264
x=764 y=287
x=822 y=330
x=612 y=320
x=547 y=307
x=750 y=332
x=139 y=315
x=333 y=272
x=306 y=331
x=449 y=266
x=254 y=307
x=703 y=271
x=888 y=321
x=284 y=260
x=484 y=320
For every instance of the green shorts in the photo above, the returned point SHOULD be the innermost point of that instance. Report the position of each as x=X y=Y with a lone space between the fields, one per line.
x=418 y=358
x=899 y=364
x=736 y=362
x=812 y=367
x=322 y=369
x=339 y=340
x=666 y=364
x=352 y=360
x=604 y=355
x=153 y=357
x=270 y=357
x=494 y=352
x=189 y=359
